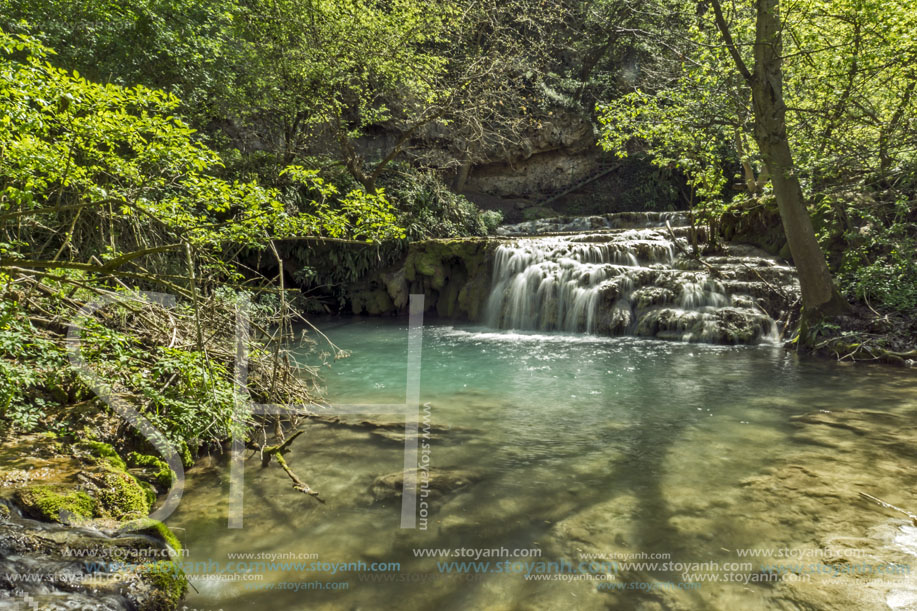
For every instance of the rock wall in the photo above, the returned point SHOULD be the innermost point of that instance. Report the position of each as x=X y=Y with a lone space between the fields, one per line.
x=454 y=275
x=759 y=227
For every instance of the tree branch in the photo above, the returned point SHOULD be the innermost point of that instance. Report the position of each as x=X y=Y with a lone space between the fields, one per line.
x=730 y=43
x=276 y=452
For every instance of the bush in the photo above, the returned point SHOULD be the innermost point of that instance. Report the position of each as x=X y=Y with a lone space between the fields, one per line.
x=880 y=263
x=427 y=208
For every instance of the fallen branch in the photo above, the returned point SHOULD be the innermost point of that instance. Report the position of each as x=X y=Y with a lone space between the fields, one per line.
x=869 y=497
x=277 y=452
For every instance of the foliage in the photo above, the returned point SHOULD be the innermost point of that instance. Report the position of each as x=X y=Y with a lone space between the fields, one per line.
x=118 y=154
x=427 y=208
x=183 y=394
x=880 y=265
x=314 y=69
x=697 y=121
x=181 y=46
x=849 y=105
x=32 y=370
x=101 y=185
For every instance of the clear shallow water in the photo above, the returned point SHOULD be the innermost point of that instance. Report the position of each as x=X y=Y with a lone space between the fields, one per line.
x=573 y=445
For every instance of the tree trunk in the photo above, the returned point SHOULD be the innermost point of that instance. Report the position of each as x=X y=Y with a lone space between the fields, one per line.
x=820 y=298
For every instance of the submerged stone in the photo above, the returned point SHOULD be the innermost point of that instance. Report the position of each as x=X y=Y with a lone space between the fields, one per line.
x=432 y=482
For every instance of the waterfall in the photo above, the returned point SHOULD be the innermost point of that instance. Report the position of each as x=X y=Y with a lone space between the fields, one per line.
x=620 y=279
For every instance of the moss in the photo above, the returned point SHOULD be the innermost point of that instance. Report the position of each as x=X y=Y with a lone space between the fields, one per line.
x=47 y=502
x=187 y=459
x=373 y=302
x=169 y=583
x=162 y=473
x=104 y=451
x=122 y=495
x=429 y=263
x=150 y=491
x=156 y=529
x=448 y=304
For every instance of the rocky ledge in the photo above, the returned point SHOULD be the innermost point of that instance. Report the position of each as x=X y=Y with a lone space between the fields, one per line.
x=74 y=531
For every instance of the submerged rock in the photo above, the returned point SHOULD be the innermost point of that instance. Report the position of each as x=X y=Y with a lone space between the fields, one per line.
x=438 y=481
x=392 y=428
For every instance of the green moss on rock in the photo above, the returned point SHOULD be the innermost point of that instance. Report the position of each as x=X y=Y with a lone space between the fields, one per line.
x=373 y=302
x=122 y=496
x=103 y=451
x=169 y=585
x=154 y=528
x=187 y=458
x=162 y=474
x=55 y=503
x=150 y=491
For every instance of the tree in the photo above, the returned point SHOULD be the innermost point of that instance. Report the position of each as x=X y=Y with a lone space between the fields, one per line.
x=316 y=75
x=715 y=115
x=98 y=177
x=182 y=46
x=820 y=298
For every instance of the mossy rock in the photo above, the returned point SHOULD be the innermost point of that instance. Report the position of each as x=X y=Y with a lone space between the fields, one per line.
x=122 y=496
x=56 y=504
x=150 y=491
x=373 y=302
x=538 y=212
x=759 y=225
x=155 y=529
x=160 y=473
x=473 y=296
x=169 y=585
x=448 y=305
x=104 y=452
x=427 y=262
x=187 y=458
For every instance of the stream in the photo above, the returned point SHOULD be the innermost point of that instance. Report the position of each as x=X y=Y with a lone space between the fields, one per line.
x=622 y=430
x=564 y=448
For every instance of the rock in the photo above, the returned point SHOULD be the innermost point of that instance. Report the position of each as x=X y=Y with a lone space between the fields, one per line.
x=397 y=287
x=373 y=302
x=55 y=503
x=143 y=578
x=441 y=482
x=85 y=497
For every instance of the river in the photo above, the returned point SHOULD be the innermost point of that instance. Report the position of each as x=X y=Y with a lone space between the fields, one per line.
x=576 y=451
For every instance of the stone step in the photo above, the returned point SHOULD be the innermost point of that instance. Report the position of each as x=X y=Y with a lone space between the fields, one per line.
x=724 y=325
x=616 y=220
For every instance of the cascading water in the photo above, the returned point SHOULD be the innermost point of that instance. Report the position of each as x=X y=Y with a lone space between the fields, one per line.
x=633 y=281
x=555 y=283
